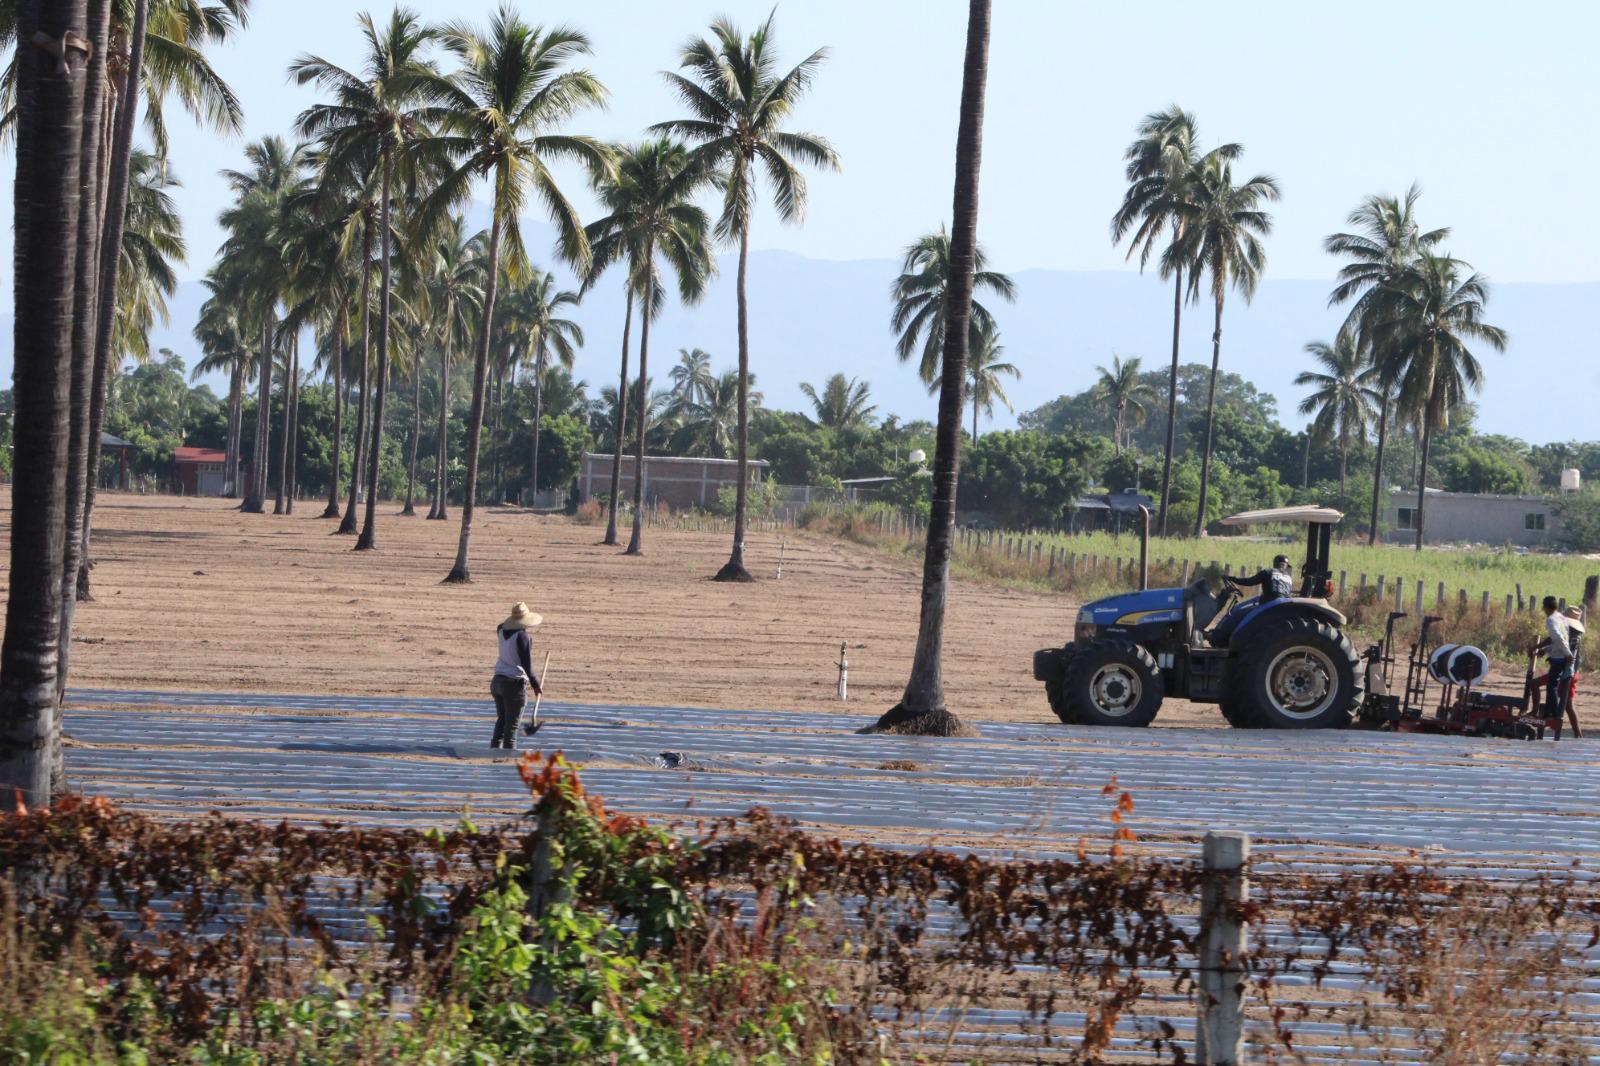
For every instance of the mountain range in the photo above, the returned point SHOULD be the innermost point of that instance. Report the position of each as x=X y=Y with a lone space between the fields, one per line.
x=810 y=318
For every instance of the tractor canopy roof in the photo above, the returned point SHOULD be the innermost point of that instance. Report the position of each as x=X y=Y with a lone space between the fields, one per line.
x=1320 y=516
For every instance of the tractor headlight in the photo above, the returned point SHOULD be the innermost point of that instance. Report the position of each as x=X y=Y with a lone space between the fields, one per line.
x=1085 y=629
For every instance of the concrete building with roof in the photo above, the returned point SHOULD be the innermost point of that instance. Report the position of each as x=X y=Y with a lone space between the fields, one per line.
x=680 y=482
x=198 y=471
x=1471 y=518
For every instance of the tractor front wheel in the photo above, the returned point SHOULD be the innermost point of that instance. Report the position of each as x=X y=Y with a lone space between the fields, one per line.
x=1295 y=674
x=1110 y=682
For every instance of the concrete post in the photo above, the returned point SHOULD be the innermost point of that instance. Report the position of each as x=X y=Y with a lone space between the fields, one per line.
x=1219 y=1036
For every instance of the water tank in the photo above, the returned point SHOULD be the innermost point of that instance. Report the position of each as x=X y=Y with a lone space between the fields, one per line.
x=919 y=457
x=1571 y=480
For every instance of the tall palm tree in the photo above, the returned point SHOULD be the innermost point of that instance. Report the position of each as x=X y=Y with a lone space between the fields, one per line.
x=1342 y=401
x=984 y=369
x=922 y=706
x=501 y=117
x=1222 y=230
x=1124 y=389
x=1161 y=164
x=842 y=403
x=224 y=348
x=711 y=425
x=48 y=191
x=652 y=222
x=374 y=114
x=455 y=282
x=1386 y=240
x=535 y=313
x=692 y=378
x=1427 y=318
x=919 y=303
x=152 y=248
x=738 y=103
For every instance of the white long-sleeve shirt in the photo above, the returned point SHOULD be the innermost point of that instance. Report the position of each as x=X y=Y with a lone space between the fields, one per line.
x=1560 y=637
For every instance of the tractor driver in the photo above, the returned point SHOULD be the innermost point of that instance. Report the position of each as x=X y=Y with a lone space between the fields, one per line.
x=1275 y=584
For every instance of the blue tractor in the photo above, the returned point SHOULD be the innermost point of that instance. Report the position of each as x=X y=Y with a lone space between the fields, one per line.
x=1279 y=662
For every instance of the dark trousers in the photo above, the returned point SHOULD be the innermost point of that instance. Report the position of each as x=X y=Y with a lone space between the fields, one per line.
x=510 y=697
x=1557 y=685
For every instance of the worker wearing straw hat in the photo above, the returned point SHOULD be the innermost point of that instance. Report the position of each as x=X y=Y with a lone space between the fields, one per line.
x=513 y=672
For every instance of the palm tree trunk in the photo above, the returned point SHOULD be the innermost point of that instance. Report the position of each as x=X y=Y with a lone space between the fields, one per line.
x=641 y=422
x=258 y=457
x=441 y=460
x=369 y=530
x=50 y=108
x=410 y=509
x=924 y=700
x=1344 y=461
x=1211 y=410
x=538 y=416
x=1422 y=481
x=974 y=416
x=1172 y=401
x=359 y=449
x=115 y=207
x=332 y=510
x=733 y=569
x=283 y=443
x=86 y=272
x=1377 y=475
x=230 y=462
x=1305 y=463
x=461 y=573
x=291 y=475
x=622 y=420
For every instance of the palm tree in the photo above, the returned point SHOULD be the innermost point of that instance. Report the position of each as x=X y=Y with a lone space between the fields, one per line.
x=842 y=402
x=651 y=216
x=983 y=375
x=373 y=116
x=919 y=303
x=1342 y=403
x=711 y=425
x=922 y=707
x=1426 y=318
x=1387 y=239
x=692 y=379
x=47 y=198
x=1126 y=392
x=1221 y=237
x=738 y=103
x=1160 y=171
x=222 y=342
x=500 y=117
x=455 y=282
x=534 y=311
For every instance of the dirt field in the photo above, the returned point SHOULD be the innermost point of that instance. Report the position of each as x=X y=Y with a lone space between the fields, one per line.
x=192 y=595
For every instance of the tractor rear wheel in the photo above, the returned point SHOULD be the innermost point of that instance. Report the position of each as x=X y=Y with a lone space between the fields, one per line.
x=1298 y=673
x=1111 y=682
x=1055 y=686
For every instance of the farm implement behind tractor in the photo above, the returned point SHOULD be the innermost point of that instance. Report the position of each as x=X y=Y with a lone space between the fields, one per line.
x=1462 y=707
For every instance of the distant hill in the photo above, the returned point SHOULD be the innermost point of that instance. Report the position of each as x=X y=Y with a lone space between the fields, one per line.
x=810 y=318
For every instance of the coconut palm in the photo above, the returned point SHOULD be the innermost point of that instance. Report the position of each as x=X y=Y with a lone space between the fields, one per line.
x=152 y=246
x=1222 y=227
x=692 y=379
x=984 y=369
x=919 y=304
x=1342 y=403
x=1125 y=390
x=47 y=187
x=534 y=311
x=922 y=706
x=653 y=223
x=374 y=116
x=224 y=348
x=501 y=117
x=711 y=425
x=1426 y=318
x=738 y=103
x=1386 y=240
x=1160 y=170
x=455 y=281
x=842 y=403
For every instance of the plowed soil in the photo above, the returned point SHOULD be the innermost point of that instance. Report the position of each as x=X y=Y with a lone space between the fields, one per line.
x=191 y=594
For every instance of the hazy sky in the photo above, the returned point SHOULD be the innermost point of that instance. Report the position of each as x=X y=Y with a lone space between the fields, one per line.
x=1489 y=105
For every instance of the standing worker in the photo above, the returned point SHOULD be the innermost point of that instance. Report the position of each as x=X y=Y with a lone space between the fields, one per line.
x=1557 y=646
x=513 y=672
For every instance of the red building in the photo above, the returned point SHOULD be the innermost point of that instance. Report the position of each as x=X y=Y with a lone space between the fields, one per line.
x=198 y=471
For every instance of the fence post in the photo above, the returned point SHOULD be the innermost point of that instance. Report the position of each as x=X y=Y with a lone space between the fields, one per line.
x=1419 y=599
x=1508 y=605
x=1184 y=580
x=1219 y=1037
x=1052 y=570
x=1591 y=594
x=1381 y=599
x=1399 y=591
x=1341 y=584
x=1484 y=610
x=1440 y=601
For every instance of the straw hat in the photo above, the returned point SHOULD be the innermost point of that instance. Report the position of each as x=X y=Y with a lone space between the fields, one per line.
x=1574 y=616
x=521 y=618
